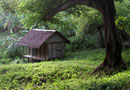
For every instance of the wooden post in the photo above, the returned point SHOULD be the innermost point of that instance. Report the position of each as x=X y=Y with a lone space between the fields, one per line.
x=28 y=60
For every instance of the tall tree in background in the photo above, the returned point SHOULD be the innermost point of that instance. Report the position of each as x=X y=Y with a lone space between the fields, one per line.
x=113 y=44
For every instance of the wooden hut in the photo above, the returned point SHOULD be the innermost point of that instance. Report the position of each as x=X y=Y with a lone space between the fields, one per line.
x=44 y=44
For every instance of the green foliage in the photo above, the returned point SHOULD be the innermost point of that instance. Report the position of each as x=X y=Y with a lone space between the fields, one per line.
x=8 y=48
x=122 y=8
x=126 y=55
x=81 y=29
x=9 y=20
x=79 y=24
x=9 y=6
x=36 y=9
x=74 y=74
x=5 y=60
x=123 y=23
x=12 y=23
x=123 y=15
x=78 y=43
x=63 y=22
x=88 y=21
x=90 y=54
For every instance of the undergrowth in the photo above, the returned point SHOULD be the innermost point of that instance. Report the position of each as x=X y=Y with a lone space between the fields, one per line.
x=75 y=72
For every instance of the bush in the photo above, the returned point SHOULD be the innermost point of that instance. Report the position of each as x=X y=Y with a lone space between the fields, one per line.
x=5 y=60
x=14 y=52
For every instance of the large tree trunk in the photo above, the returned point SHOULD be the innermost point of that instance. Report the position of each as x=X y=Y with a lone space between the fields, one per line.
x=113 y=44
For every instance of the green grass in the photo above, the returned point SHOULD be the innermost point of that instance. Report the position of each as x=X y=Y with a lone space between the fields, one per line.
x=75 y=72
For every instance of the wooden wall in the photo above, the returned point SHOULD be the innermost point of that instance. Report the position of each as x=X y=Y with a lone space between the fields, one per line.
x=49 y=51
x=53 y=48
x=56 y=50
x=55 y=38
x=41 y=52
x=44 y=51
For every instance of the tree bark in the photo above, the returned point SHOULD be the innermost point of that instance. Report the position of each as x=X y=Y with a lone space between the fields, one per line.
x=113 y=44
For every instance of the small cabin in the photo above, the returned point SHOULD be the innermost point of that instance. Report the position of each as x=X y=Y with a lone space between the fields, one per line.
x=44 y=44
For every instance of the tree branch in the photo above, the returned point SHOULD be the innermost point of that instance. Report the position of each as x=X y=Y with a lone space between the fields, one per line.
x=71 y=3
x=59 y=8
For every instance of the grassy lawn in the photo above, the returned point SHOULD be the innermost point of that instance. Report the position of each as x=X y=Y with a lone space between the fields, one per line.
x=74 y=72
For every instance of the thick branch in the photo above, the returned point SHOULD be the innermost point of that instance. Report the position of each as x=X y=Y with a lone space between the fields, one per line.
x=71 y=3
x=61 y=7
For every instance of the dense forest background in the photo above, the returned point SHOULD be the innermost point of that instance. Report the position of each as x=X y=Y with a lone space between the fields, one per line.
x=84 y=27
x=81 y=25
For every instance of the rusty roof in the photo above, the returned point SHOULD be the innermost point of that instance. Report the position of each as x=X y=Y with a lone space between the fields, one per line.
x=35 y=38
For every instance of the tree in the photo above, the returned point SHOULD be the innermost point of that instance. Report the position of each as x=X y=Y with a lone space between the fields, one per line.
x=9 y=19
x=113 y=44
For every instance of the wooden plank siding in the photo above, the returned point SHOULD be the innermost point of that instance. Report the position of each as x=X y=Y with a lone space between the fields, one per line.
x=53 y=48
x=48 y=51
x=55 y=38
x=38 y=53
x=43 y=51
x=56 y=50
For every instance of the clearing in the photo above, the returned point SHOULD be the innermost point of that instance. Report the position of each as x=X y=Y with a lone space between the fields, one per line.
x=72 y=73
